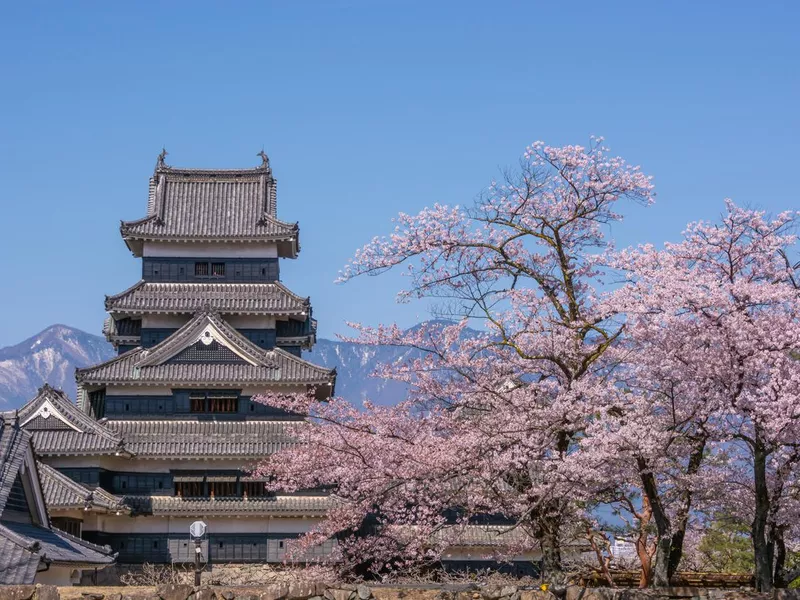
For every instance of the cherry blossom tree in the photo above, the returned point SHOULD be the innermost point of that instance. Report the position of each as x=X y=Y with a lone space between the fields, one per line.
x=719 y=314
x=493 y=420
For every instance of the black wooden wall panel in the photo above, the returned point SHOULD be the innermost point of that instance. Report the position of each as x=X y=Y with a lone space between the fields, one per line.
x=236 y=269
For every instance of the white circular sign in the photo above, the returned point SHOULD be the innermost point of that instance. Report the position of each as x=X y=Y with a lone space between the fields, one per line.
x=197 y=529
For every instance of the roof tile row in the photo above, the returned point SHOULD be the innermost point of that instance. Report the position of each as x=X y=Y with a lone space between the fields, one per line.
x=238 y=298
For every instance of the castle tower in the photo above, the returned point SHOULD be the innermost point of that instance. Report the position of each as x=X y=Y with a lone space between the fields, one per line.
x=162 y=434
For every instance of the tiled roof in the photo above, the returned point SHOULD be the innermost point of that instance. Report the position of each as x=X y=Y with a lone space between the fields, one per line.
x=62 y=493
x=14 y=442
x=202 y=439
x=68 y=443
x=259 y=366
x=219 y=205
x=19 y=561
x=229 y=298
x=278 y=506
x=65 y=429
x=483 y=535
x=54 y=546
x=211 y=326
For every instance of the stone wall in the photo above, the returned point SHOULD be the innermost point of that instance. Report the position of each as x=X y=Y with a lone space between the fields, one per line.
x=322 y=591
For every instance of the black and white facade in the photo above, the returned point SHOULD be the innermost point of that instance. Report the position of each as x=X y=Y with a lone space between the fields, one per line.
x=163 y=434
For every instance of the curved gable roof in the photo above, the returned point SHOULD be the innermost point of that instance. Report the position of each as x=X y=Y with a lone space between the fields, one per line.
x=258 y=366
x=59 y=427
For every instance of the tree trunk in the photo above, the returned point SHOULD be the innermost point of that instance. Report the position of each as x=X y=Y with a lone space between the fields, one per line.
x=763 y=543
x=642 y=550
x=682 y=520
x=780 y=574
x=552 y=569
x=660 y=571
x=602 y=561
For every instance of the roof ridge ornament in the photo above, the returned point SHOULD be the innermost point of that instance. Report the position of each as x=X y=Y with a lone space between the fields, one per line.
x=160 y=164
x=264 y=159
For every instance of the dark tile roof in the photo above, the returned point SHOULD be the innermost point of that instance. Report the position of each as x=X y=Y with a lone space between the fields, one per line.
x=284 y=506
x=55 y=546
x=216 y=328
x=258 y=366
x=482 y=535
x=72 y=443
x=68 y=430
x=26 y=546
x=228 y=298
x=14 y=442
x=61 y=493
x=220 y=205
x=203 y=439
x=19 y=561
x=286 y=369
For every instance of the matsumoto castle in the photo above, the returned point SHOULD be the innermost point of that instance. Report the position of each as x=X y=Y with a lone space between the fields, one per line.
x=162 y=434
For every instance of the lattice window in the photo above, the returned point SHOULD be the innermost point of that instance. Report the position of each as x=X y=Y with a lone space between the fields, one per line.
x=255 y=489
x=201 y=269
x=223 y=404
x=222 y=489
x=214 y=402
x=71 y=526
x=198 y=402
x=190 y=489
x=218 y=269
x=202 y=353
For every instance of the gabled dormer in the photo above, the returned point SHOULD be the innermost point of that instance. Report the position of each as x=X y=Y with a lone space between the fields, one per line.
x=60 y=428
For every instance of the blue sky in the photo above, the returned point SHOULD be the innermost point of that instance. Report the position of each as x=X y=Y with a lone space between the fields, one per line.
x=367 y=109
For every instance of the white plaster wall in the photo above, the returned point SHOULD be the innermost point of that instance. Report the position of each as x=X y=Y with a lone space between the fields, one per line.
x=130 y=390
x=283 y=389
x=55 y=575
x=90 y=520
x=165 y=321
x=180 y=525
x=115 y=463
x=145 y=390
x=211 y=250
x=251 y=321
x=71 y=513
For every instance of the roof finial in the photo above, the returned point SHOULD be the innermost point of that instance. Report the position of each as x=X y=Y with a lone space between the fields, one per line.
x=160 y=164
x=264 y=159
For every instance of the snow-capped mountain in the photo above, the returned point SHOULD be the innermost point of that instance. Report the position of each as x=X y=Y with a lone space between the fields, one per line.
x=354 y=365
x=50 y=356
